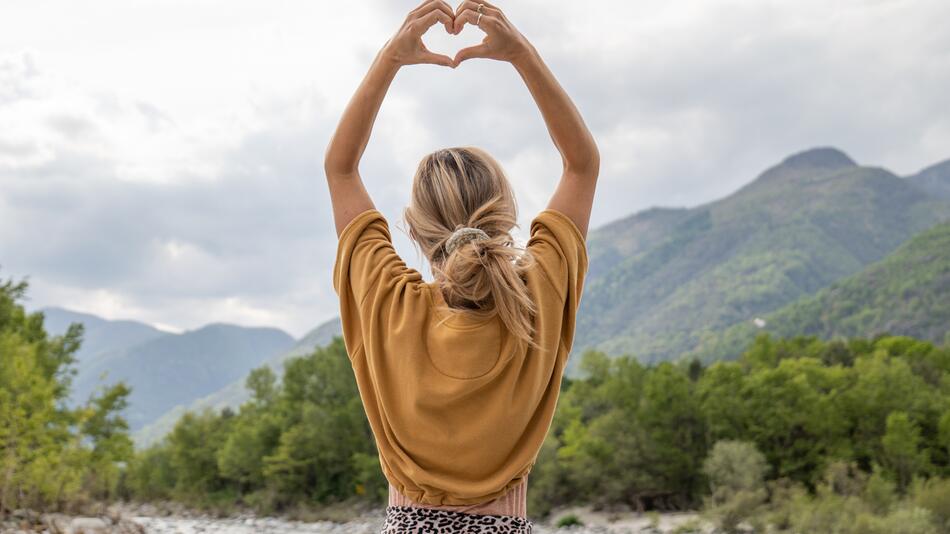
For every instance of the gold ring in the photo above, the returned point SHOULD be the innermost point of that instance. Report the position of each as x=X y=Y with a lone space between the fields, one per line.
x=479 y=10
x=479 y=19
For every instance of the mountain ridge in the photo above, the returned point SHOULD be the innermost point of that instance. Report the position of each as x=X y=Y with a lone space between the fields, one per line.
x=162 y=368
x=798 y=226
x=934 y=179
x=825 y=157
x=101 y=337
x=906 y=293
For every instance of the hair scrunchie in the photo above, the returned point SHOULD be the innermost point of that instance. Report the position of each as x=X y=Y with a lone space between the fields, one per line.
x=464 y=235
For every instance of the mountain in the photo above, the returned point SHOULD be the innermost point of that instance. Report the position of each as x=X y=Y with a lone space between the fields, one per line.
x=662 y=280
x=173 y=369
x=100 y=336
x=906 y=293
x=935 y=179
x=235 y=393
x=614 y=242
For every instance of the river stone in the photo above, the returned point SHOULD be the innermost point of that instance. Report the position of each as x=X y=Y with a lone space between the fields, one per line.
x=88 y=525
x=56 y=523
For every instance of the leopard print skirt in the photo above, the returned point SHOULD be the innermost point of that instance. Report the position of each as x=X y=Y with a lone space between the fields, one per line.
x=412 y=520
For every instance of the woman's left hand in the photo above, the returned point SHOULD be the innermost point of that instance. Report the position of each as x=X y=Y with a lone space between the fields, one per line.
x=407 y=48
x=503 y=42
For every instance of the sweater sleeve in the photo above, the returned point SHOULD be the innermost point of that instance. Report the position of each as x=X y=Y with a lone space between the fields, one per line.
x=561 y=253
x=366 y=273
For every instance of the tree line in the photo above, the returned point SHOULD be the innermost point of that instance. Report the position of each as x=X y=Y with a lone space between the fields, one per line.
x=774 y=436
x=625 y=433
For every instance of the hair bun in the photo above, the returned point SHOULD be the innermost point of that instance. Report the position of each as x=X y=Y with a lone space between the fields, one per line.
x=463 y=235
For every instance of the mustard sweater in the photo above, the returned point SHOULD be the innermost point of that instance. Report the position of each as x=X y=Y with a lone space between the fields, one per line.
x=458 y=408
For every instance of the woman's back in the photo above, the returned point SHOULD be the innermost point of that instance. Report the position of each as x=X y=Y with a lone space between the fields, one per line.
x=458 y=405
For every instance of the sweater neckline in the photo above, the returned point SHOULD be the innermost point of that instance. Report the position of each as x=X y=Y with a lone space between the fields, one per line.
x=459 y=321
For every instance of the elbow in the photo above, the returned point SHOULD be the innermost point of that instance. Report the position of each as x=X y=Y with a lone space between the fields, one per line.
x=335 y=166
x=585 y=164
x=594 y=159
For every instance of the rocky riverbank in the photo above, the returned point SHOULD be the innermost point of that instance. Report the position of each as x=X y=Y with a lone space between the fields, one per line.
x=170 y=518
x=27 y=521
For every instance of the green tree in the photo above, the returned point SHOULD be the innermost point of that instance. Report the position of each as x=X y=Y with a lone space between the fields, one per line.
x=150 y=475
x=262 y=382
x=902 y=455
x=252 y=437
x=324 y=426
x=51 y=455
x=109 y=434
x=194 y=444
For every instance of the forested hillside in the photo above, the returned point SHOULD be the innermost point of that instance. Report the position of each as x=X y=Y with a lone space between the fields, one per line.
x=662 y=280
x=907 y=293
x=172 y=369
x=235 y=393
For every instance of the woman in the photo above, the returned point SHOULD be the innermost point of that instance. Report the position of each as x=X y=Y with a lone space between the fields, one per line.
x=460 y=377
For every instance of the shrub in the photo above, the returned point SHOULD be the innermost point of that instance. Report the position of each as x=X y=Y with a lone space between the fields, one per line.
x=880 y=494
x=569 y=520
x=934 y=495
x=906 y=520
x=736 y=472
x=734 y=466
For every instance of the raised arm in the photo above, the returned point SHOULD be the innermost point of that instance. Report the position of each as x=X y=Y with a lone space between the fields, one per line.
x=574 y=195
x=341 y=162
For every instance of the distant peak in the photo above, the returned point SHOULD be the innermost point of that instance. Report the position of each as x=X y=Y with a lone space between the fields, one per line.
x=822 y=157
x=937 y=171
x=935 y=179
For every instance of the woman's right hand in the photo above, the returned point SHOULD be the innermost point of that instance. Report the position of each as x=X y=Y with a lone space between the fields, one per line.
x=503 y=42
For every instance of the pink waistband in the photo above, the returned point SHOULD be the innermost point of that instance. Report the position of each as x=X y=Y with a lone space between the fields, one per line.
x=515 y=502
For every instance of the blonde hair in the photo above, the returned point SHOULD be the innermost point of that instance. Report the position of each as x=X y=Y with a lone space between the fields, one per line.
x=465 y=187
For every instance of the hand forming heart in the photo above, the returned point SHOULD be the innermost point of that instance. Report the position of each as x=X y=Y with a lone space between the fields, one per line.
x=502 y=41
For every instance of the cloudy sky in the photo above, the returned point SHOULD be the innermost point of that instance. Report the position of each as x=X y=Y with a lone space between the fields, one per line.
x=162 y=160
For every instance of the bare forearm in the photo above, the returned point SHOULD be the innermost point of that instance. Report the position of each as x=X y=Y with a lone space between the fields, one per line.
x=352 y=134
x=565 y=124
x=341 y=161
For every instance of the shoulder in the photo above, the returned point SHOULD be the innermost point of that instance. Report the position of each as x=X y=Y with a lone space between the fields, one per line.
x=559 y=249
x=361 y=222
x=366 y=260
x=559 y=223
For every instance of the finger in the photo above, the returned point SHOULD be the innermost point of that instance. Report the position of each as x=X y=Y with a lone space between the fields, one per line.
x=461 y=17
x=436 y=5
x=421 y=6
x=479 y=50
x=470 y=17
x=436 y=59
x=420 y=26
x=494 y=11
x=426 y=7
x=473 y=5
